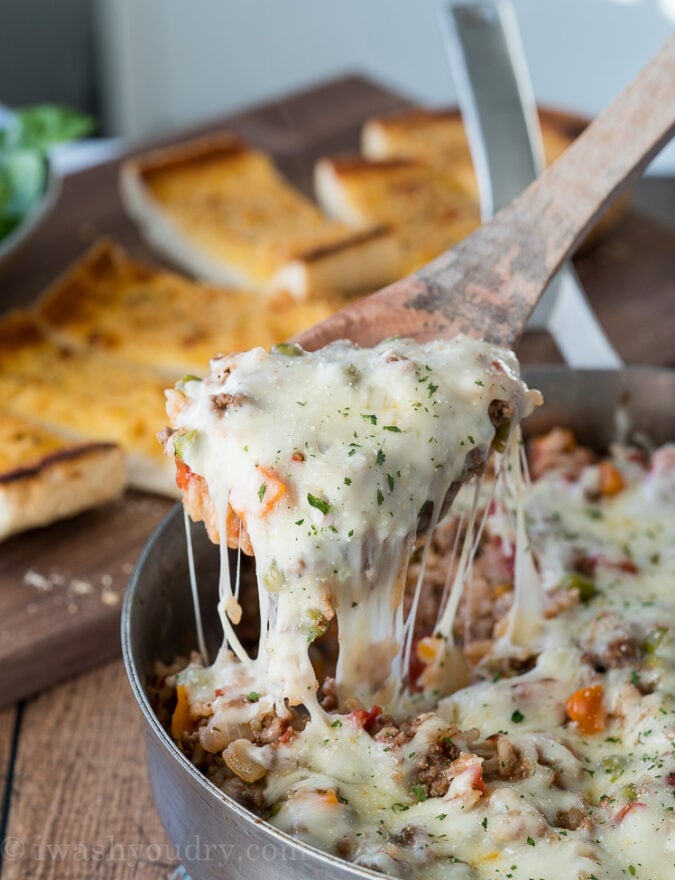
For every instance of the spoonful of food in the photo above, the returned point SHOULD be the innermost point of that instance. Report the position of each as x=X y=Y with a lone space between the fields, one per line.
x=488 y=284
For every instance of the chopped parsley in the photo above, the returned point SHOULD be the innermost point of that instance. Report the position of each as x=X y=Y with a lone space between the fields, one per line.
x=400 y=808
x=517 y=716
x=320 y=503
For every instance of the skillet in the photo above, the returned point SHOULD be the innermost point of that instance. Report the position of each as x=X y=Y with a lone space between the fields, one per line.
x=214 y=836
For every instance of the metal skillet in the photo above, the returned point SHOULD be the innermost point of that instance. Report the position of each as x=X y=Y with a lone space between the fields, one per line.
x=215 y=837
x=499 y=112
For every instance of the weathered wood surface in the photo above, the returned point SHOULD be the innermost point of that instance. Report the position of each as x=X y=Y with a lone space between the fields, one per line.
x=61 y=589
x=7 y=729
x=79 y=783
x=81 y=805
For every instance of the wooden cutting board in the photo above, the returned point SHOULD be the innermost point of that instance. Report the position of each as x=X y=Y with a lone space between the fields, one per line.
x=61 y=587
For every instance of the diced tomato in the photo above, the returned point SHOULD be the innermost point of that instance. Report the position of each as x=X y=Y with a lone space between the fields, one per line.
x=365 y=718
x=183 y=474
x=636 y=455
x=468 y=770
x=625 y=810
x=474 y=775
x=588 y=564
x=415 y=669
x=502 y=564
x=622 y=564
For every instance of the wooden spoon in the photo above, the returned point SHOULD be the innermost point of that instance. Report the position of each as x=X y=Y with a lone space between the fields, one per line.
x=489 y=283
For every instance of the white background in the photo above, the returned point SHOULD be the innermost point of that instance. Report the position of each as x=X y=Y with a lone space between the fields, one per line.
x=170 y=62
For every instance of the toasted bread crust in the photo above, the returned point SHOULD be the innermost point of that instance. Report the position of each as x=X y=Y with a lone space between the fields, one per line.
x=353 y=164
x=90 y=362
x=18 y=332
x=46 y=477
x=71 y=453
x=222 y=210
x=85 y=396
x=110 y=304
x=213 y=149
x=437 y=136
x=357 y=239
x=419 y=120
x=425 y=207
x=416 y=175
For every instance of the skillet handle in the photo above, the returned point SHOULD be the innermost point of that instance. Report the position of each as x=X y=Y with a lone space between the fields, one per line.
x=488 y=285
x=499 y=112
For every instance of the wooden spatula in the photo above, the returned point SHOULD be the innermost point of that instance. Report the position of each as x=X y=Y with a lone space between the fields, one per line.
x=489 y=283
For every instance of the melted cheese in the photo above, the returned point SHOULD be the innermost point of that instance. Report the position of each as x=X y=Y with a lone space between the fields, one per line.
x=352 y=445
x=329 y=459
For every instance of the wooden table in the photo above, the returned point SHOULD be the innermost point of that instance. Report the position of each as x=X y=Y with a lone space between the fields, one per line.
x=75 y=799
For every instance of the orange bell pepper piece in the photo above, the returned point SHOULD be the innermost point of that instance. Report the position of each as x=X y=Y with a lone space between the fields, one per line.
x=585 y=707
x=611 y=481
x=181 y=720
x=272 y=489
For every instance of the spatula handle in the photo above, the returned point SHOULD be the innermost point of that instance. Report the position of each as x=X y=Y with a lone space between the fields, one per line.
x=490 y=282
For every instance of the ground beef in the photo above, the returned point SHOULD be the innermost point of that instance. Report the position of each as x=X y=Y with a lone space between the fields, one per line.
x=560 y=600
x=573 y=819
x=436 y=769
x=609 y=645
x=558 y=450
x=616 y=653
x=221 y=402
x=328 y=698
x=432 y=768
x=486 y=599
x=345 y=847
x=250 y=794
x=505 y=762
x=500 y=412
x=395 y=733
x=270 y=729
